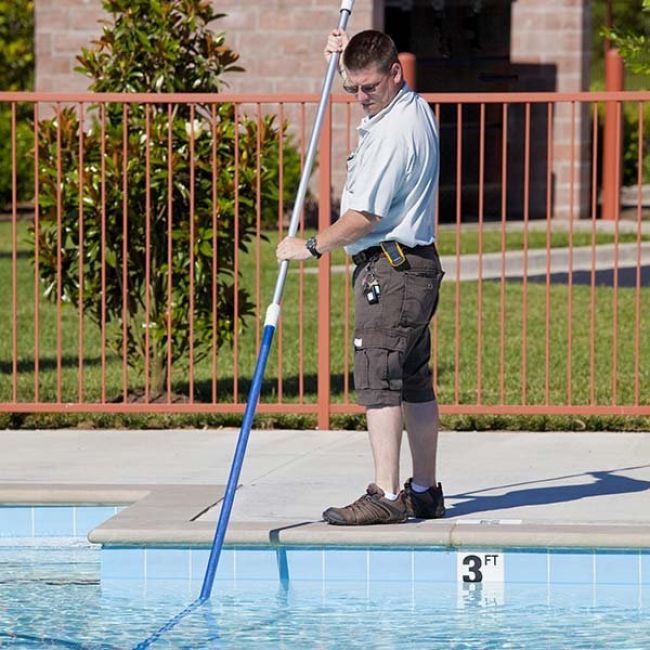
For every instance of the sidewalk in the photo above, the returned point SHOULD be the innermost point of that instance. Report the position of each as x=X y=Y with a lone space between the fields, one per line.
x=503 y=488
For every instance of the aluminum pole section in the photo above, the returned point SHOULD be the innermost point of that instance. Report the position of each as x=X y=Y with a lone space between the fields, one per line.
x=271 y=322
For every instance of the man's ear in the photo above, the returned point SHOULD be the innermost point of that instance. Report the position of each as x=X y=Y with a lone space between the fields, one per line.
x=397 y=73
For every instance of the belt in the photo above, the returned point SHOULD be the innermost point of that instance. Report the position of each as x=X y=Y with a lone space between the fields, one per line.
x=375 y=251
x=366 y=255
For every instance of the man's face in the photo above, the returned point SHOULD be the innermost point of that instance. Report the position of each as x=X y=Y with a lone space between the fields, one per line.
x=374 y=89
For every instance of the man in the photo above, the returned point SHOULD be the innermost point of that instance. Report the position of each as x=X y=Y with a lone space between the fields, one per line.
x=387 y=211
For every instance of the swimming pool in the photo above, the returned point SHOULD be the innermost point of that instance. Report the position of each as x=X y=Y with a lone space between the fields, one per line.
x=57 y=590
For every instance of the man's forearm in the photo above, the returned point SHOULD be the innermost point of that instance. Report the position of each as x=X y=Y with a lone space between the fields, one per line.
x=351 y=226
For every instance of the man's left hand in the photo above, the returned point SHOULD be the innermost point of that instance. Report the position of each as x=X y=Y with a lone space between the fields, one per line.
x=292 y=248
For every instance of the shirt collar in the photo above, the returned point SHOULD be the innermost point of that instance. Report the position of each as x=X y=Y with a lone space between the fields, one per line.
x=368 y=122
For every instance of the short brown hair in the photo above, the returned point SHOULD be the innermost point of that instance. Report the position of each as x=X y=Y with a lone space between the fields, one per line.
x=370 y=47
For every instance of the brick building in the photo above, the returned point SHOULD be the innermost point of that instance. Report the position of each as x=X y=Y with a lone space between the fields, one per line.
x=461 y=45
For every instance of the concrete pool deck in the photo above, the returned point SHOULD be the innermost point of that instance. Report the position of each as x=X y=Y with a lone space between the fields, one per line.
x=554 y=489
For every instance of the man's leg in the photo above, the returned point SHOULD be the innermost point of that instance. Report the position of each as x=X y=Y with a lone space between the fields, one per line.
x=385 y=433
x=423 y=494
x=421 y=419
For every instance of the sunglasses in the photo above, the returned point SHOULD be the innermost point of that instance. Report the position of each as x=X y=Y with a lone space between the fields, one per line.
x=366 y=89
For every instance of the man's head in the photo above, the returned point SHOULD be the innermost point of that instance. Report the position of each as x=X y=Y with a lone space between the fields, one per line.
x=374 y=73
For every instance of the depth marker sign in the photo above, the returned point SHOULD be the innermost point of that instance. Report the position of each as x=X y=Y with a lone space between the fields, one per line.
x=479 y=567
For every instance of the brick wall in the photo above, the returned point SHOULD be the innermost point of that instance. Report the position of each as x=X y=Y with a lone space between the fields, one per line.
x=62 y=29
x=280 y=43
x=280 y=48
x=556 y=38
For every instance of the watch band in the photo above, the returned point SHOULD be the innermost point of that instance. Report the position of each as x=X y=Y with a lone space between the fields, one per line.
x=310 y=244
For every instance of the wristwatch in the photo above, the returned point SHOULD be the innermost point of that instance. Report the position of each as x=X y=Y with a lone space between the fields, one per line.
x=310 y=244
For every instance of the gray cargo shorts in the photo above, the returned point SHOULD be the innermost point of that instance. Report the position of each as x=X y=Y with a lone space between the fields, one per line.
x=392 y=341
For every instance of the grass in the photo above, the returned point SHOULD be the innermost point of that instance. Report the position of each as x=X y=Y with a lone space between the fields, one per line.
x=525 y=355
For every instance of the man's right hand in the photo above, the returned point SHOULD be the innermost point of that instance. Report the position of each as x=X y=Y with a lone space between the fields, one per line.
x=336 y=43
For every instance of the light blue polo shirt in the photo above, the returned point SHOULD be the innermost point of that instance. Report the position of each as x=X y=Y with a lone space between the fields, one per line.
x=393 y=173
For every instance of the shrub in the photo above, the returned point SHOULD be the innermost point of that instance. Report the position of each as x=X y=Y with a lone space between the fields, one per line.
x=631 y=144
x=633 y=45
x=16 y=44
x=24 y=156
x=16 y=73
x=177 y=52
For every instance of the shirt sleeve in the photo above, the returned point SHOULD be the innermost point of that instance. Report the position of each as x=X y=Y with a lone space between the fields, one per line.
x=375 y=176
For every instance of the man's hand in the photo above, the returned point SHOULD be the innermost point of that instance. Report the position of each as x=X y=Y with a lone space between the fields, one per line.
x=292 y=248
x=336 y=42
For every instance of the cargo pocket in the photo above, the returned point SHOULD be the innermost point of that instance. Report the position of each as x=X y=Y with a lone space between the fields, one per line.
x=421 y=291
x=378 y=362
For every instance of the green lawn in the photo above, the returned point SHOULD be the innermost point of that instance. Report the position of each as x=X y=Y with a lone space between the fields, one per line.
x=297 y=380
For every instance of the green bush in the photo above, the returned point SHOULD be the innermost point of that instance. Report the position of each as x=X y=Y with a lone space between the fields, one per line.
x=631 y=144
x=16 y=44
x=16 y=73
x=633 y=41
x=24 y=157
x=153 y=46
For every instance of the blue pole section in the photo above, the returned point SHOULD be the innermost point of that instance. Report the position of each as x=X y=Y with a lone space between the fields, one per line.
x=270 y=324
x=238 y=459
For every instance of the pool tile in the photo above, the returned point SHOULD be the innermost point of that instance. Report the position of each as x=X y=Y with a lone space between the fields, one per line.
x=389 y=592
x=390 y=565
x=15 y=522
x=645 y=568
x=199 y=563
x=572 y=568
x=169 y=587
x=526 y=594
x=435 y=596
x=302 y=591
x=305 y=564
x=256 y=564
x=617 y=568
x=571 y=595
x=334 y=591
x=346 y=565
x=617 y=596
x=88 y=518
x=121 y=588
x=434 y=566
x=123 y=563
x=54 y=522
x=167 y=563
x=525 y=567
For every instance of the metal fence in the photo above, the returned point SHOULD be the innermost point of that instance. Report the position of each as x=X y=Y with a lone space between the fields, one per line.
x=137 y=254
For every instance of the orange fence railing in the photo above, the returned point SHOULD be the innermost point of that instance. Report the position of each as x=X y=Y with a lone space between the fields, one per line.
x=137 y=243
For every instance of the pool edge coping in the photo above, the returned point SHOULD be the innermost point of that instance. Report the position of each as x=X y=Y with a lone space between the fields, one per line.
x=166 y=515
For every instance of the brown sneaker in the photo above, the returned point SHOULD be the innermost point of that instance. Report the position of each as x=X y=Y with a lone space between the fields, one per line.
x=371 y=508
x=424 y=505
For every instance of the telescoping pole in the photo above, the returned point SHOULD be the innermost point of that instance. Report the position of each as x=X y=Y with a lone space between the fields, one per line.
x=271 y=322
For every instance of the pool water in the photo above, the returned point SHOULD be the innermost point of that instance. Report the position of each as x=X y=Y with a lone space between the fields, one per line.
x=64 y=593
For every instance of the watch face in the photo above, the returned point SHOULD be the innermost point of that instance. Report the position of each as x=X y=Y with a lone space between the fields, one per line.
x=311 y=247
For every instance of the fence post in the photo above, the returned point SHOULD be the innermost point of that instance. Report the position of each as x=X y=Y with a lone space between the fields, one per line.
x=408 y=68
x=612 y=139
x=324 y=269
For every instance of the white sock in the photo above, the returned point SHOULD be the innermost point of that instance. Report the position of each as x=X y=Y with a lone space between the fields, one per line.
x=416 y=487
x=390 y=496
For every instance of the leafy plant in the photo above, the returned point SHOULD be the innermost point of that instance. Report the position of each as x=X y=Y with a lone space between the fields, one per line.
x=16 y=44
x=24 y=143
x=631 y=144
x=186 y=170
x=16 y=73
x=633 y=45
